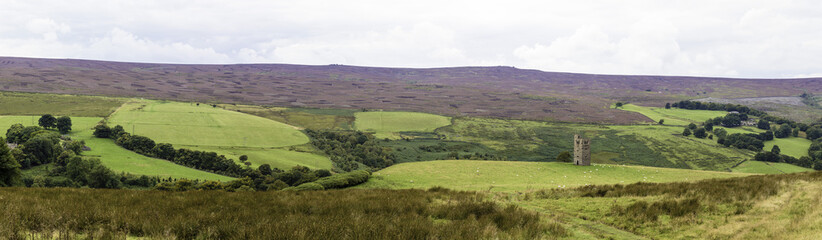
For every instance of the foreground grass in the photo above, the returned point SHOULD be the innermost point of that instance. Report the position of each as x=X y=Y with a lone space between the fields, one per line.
x=341 y=214
x=389 y=124
x=783 y=206
x=36 y=104
x=523 y=176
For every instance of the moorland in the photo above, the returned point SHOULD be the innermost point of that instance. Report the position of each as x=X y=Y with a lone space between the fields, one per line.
x=305 y=152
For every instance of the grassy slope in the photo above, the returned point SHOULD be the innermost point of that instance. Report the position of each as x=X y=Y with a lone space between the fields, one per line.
x=649 y=145
x=522 y=176
x=768 y=168
x=674 y=116
x=796 y=147
x=226 y=132
x=388 y=124
x=188 y=124
x=70 y=105
x=116 y=157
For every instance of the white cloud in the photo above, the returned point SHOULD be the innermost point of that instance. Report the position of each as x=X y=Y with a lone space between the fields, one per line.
x=750 y=38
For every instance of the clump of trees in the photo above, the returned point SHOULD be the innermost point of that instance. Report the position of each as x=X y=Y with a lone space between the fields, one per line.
x=62 y=124
x=349 y=149
x=38 y=146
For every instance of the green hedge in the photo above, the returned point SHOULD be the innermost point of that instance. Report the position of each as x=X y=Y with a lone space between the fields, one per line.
x=342 y=180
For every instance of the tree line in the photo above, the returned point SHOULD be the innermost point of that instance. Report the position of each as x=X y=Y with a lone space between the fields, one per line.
x=201 y=160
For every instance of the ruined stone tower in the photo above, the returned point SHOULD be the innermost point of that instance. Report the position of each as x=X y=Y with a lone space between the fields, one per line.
x=582 y=151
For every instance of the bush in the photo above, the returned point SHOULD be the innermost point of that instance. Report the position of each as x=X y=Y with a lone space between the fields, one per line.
x=344 y=180
x=564 y=156
x=306 y=187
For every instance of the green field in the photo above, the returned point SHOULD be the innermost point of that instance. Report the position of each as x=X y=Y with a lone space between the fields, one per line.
x=277 y=158
x=523 y=176
x=792 y=146
x=12 y=103
x=115 y=157
x=768 y=168
x=188 y=124
x=390 y=124
x=230 y=133
x=674 y=116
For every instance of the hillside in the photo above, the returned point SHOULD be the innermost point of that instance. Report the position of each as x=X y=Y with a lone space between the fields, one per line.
x=472 y=91
x=523 y=176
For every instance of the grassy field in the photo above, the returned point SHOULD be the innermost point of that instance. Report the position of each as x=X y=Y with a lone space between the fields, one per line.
x=12 y=103
x=230 y=133
x=277 y=158
x=204 y=125
x=390 y=124
x=301 y=117
x=792 y=146
x=523 y=176
x=768 y=168
x=674 y=116
x=117 y=158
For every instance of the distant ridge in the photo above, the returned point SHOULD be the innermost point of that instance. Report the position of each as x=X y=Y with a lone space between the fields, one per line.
x=456 y=91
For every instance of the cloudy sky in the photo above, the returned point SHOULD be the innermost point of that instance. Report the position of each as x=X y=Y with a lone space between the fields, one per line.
x=747 y=38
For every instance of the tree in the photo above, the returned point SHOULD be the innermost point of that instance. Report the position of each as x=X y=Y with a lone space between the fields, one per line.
x=795 y=132
x=763 y=124
x=102 y=131
x=813 y=133
x=667 y=105
x=564 y=157
x=661 y=121
x=692 y=126
x=784 y=131
x=116 y=131
x=47 y=121
x=776 y=150
x=619 y=104
x=700 y=133
x=64 y=124
x=721 y=133
x=264 y=169
x=9 y=167
x=709 y=126
x=243 y=158
x=687 y=132
x=15 y=133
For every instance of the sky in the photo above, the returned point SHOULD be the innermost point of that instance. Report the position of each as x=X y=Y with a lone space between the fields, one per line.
x=749 y=38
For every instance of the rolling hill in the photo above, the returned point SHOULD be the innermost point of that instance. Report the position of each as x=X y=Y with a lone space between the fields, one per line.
x=473 y=91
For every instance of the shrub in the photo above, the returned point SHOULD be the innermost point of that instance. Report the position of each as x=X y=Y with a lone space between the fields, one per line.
x=306 y=187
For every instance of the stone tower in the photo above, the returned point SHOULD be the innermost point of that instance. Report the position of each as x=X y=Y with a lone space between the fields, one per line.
x=582 y=151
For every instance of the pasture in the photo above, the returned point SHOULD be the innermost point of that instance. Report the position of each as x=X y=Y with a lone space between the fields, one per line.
x=768 y=168
x=390 y=124
x=230 y=133
x=523 y=176
x=115 y=157
x=674 y=116
x=277 y=158
x=186 y=124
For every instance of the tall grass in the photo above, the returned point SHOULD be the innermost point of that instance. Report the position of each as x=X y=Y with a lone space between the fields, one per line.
x=334 y=214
